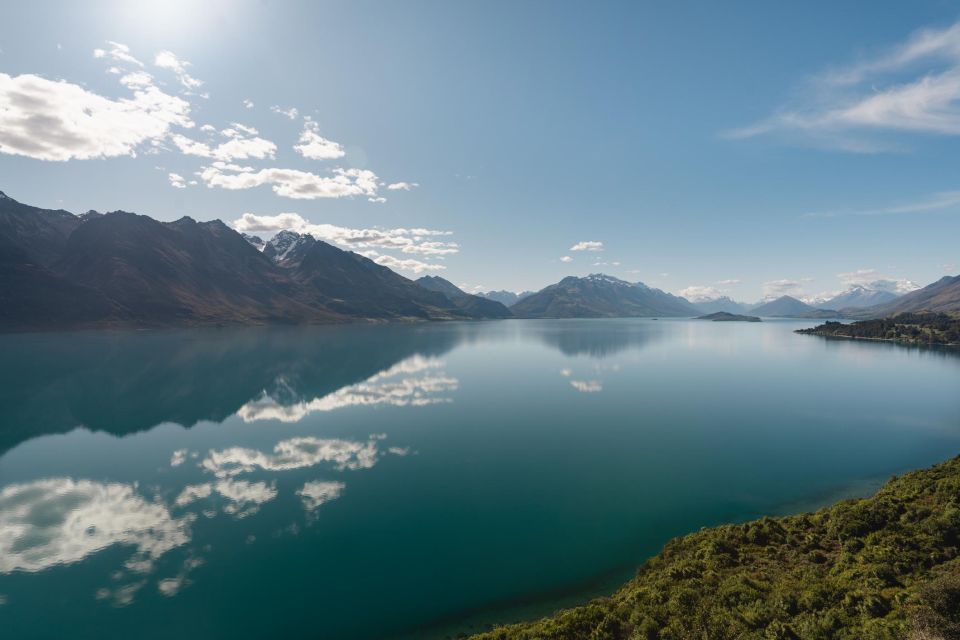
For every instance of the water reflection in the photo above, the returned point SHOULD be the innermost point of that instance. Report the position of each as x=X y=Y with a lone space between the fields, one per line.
x=416 y=381
x=126 y=382
x=338 y=448
x=597 y=338
x=60 y=521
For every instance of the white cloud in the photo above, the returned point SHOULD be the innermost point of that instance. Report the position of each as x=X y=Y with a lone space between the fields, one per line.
x=314 y=146
x=783 y=287
x=118 y=52
x=566 y=259
x=914 y=87
x=57 y=120
x=873 y=279
x=587 y=245
x=177 y=181
x=248 y=103
x=701 y=294
x=402 y=186
x=403 y=264
x=137 y=80
x=729 y=281
x=169 y=60
x=406 y=240
x=237 y=147
x=292 y=183
x=177 y=458
x=291 y=113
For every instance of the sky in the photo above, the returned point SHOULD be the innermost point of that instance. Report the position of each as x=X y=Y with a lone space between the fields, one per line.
x=746 y=149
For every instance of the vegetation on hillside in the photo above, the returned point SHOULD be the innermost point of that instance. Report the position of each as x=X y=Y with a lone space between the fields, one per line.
x=910 y=328
x=884 y=567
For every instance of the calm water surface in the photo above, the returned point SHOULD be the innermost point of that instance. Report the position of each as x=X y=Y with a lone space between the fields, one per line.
x=418 y=481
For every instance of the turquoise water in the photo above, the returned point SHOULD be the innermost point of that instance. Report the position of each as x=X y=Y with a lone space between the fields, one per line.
x=418 y=480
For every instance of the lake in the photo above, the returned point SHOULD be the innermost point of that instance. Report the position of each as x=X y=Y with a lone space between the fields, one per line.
x=418 y=480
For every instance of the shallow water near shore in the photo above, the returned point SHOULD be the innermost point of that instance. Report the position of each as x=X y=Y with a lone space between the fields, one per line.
x=419 y=480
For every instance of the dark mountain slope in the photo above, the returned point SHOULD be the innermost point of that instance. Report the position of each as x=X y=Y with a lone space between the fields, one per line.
x=40 y=234
x=33 y=297
x=182 y=272
x=474 y=306
x=355 y=286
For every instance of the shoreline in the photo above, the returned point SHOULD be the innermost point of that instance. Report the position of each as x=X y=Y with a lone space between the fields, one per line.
x=543 y=604
x=843 y=550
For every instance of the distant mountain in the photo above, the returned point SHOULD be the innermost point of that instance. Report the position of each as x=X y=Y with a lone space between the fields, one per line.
x=943 y=296
x=722 y=303
x=58 y=270
x=473 y=305
x=506 y=298
x=857 y=297
x=784 y=306
x=601 y=296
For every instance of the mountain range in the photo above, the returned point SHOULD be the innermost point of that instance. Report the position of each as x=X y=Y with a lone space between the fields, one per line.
x=60 y=270
x=858 y=297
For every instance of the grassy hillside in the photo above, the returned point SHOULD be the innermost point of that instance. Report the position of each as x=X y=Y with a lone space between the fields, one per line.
x=883 y=567
x=908 y=328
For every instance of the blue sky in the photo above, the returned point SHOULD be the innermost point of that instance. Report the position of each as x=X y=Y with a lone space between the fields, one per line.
x=747 y=149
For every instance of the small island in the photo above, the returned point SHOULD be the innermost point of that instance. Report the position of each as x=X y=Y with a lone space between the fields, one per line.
x=905 y=328
x=723 y=316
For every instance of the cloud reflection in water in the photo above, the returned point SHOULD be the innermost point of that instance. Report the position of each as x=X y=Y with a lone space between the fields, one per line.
x=416 y=381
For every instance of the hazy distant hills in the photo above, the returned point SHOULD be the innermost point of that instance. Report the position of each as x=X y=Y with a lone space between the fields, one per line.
x=473 y=305
x=943 y=296
x=784 y=306
x=858 y=297
x=506 y=298
x=601 y=296
x=58 y=270
x=722 y=304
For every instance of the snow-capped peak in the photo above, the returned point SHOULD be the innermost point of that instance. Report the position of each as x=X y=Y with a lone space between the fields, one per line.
x=285 y=243
x=256 y=241
x=602 y=277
